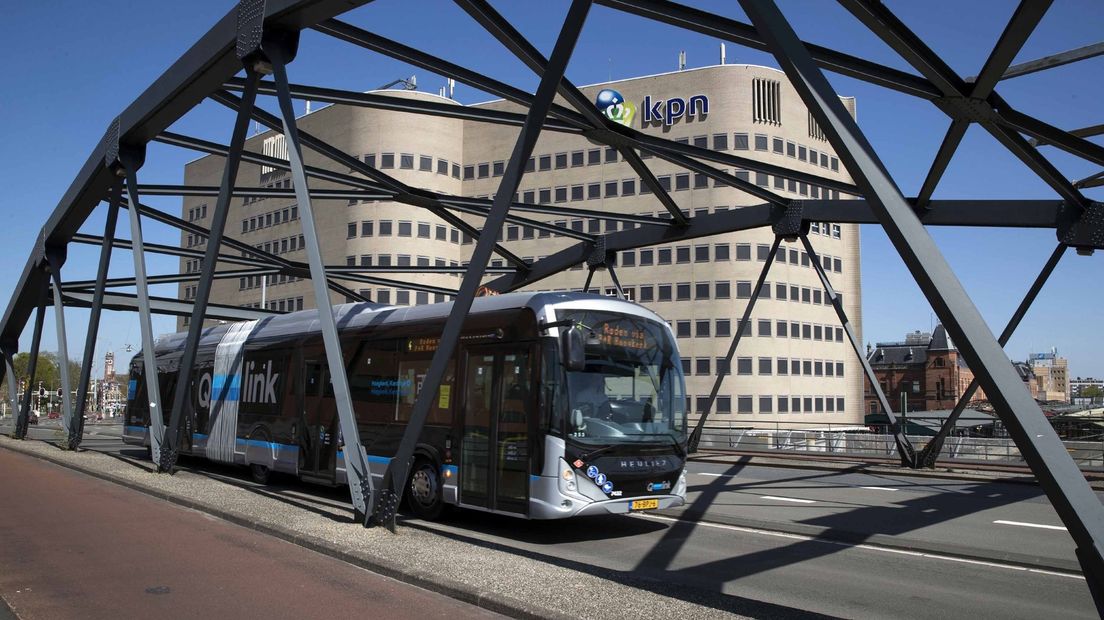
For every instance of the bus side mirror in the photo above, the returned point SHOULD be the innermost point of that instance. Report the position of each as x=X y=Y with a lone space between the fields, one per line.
x=573 y=347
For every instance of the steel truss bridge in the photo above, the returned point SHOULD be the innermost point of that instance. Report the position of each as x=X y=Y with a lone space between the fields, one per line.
x=260 y=39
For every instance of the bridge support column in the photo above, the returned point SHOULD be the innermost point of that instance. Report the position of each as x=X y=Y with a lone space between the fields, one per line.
x=20 y=431
x=695 y=436
x=129 y=160
x=395 y=477
x=1065 y=485
x=9 y=351
x=55 y=258
x=75 y=435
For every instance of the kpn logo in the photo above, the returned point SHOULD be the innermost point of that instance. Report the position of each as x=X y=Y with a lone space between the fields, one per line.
x=614 y=106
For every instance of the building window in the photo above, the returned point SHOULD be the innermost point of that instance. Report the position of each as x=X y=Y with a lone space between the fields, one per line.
x=561 y=161
x=682 y=291
x=664 y=292
x=743 y=365
x=469 y=173
x=766 y=366
x=483 y=170
x=351 y=233
x=740 y=141
x=703 y=367
x=406 y=161
x=682 y=181
x=663 y=256
x=682 y=329
x=780 y=329
x=576 y=192
x=647 y=293
x=743 y=290
x=682 y=254
x=628 y=187
x=760 y=142
x=701 y=290
x=743 y=404
x=499 y=168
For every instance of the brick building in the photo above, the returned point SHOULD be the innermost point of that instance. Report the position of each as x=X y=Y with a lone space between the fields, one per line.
x=926 y=368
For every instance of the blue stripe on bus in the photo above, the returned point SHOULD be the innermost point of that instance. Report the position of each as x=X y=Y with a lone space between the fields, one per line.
x=221 y=390
x=371 y=457
x=135 y=429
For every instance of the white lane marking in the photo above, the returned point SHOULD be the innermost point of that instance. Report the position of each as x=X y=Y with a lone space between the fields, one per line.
x=1022 y=524
x=788 y=499
x=713 y=475
x=865 y=547
x=879 y=489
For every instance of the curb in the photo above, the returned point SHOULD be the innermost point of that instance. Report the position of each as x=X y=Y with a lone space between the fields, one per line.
x=490 y=601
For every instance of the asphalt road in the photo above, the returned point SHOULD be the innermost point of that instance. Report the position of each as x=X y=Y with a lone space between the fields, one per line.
x=1010 y=524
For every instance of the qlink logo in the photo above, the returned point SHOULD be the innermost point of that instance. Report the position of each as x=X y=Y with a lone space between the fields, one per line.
x=614 y=106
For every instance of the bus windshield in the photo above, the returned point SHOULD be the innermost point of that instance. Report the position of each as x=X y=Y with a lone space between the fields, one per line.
x=631 y=389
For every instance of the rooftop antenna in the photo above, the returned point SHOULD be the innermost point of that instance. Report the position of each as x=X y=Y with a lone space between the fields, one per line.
x=682 y=60
x=451 y=88
x=722 y=53
x=410 y=83
x=307 y=110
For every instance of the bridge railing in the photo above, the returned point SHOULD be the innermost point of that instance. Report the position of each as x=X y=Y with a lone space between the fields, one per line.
x=1084 y=441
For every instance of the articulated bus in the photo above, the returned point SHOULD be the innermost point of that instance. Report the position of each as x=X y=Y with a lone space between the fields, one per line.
x=555 y=404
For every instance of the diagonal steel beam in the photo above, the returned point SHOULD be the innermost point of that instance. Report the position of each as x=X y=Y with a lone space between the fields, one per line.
x=404 y=193
x=172 y=442
x=696 y=434
x=725 y=29
x=394 y=480
x=131 y=162
x=20 y=429
x=511 y=39
x=357 y=472
x=170 y=250
x=127 y=302
x=70 y=425
x=107 y=243
x=900 y=437
x=399 y=104
x=880 y=20
x=1052 y=61
x=927 y=456
x=1073 y=500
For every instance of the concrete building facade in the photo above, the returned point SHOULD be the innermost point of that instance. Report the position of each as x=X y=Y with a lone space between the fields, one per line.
x=793 y=363
x=1051 y=375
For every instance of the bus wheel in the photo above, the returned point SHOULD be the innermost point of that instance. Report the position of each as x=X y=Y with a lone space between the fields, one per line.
x=259 y=473
x=424 y=495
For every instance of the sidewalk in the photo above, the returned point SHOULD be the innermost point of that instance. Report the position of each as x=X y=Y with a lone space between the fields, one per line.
x=78 y=547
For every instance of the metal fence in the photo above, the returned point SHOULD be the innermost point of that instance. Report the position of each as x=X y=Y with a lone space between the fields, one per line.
x=1081 y=438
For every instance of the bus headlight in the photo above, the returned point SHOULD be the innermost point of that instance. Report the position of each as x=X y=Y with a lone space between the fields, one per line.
x=569 y=478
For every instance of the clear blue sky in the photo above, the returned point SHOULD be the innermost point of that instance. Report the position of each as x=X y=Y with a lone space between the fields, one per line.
x=70 y=67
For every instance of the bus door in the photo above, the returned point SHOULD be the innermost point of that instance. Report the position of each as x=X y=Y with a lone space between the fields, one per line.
x=498 y=406
x=317 y=440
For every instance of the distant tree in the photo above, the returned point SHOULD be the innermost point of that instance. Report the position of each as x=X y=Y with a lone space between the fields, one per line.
x=46 y=371
x=1092 y=391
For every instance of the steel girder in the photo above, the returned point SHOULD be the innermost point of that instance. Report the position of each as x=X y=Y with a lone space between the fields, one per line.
x=211 y=64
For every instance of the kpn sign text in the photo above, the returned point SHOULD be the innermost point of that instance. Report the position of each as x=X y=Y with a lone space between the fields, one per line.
x=656 y=111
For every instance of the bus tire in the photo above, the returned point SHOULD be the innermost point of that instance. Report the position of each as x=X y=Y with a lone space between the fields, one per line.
x=425 y=496
x=259 y=473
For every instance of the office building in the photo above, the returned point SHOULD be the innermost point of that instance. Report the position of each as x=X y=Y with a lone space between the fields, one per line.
x=794 y=362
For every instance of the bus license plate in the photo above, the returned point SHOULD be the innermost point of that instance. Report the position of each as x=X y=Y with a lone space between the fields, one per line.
x=644 y=504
